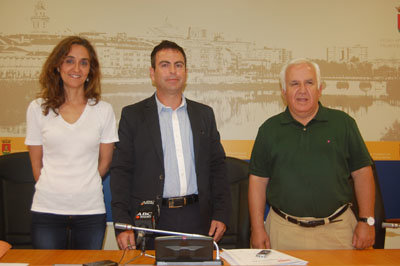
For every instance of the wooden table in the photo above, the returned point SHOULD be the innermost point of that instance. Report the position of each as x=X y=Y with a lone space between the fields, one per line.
x=314 y=257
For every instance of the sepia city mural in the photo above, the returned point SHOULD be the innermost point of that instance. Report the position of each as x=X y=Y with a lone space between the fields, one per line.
x=235 y=50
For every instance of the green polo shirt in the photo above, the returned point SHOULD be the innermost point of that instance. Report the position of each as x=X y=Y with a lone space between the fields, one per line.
x=309 y=166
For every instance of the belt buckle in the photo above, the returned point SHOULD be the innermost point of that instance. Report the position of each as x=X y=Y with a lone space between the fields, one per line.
x=312 y=223
x=172 y=201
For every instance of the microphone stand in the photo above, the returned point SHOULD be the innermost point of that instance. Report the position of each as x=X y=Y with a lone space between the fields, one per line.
x=143 y=248
x=142 y=244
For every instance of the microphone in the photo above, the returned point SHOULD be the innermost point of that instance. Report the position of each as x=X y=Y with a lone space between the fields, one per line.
x=122 y=226
x=147 y=216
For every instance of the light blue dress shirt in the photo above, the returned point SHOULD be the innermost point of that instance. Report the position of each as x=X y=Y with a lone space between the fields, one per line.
x=172 y=181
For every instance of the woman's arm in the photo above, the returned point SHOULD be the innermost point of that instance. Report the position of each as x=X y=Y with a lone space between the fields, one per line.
x=36 y=155
x=105 y=156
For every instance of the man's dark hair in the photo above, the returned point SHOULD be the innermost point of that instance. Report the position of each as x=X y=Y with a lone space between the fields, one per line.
x=165 y=44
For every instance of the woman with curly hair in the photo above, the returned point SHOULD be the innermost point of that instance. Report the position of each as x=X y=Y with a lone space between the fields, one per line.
x=70 y=137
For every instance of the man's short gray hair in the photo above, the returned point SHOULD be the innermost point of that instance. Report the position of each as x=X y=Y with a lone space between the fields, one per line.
x=299 y=61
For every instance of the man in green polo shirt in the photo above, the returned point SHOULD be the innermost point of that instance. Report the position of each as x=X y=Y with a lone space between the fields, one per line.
x=301 y=163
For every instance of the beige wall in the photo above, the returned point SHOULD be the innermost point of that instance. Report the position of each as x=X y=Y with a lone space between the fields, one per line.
x=235 y=50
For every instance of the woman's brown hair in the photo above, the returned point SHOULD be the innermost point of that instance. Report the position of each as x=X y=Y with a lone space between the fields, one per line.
x=52 y=88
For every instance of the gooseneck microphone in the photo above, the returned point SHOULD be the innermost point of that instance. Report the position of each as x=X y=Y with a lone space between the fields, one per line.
x=145 y=222
x=122 y=226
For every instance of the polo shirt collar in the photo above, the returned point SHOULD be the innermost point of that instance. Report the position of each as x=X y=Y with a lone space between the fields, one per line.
x=321 y=115
x=161 y=107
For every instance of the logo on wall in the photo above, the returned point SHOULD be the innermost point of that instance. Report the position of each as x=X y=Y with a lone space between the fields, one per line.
x=398 y=18
x=6 y=146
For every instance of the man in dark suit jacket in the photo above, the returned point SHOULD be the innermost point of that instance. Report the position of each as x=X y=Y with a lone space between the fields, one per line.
x=170 y=151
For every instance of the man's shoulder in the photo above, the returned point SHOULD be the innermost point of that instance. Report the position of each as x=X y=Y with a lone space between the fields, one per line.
x=273 y=120
x=198 y=104
x=199 y=108
x=139 y=105
x=336 y=113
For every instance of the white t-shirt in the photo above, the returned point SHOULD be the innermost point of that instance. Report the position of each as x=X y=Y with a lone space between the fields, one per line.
x=69 y=182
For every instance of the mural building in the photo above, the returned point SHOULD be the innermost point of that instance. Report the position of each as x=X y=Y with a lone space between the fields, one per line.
x=235 y=74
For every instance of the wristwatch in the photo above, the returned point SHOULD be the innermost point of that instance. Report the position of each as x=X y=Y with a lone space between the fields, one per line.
x=369 y=220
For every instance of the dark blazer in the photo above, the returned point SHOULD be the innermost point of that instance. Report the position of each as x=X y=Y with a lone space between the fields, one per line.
x=137 y=170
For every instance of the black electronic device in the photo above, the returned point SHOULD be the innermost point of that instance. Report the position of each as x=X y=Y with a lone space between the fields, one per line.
x=263 y=253
x=146 y=216
x=183 y=249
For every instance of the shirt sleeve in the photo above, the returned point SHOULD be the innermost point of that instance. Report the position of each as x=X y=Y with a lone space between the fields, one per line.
x=33 y=124
x=259 y=157
x=359 y=155
x=109 y=130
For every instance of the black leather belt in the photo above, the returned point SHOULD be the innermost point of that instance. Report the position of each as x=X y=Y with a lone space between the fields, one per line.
x=179 y=202
x=312 y=223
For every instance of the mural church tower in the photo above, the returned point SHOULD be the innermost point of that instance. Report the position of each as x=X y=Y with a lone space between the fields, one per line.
x=40 y=18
